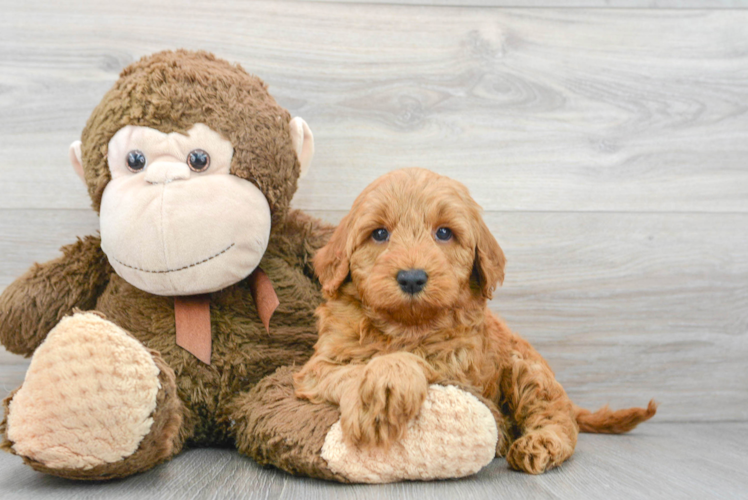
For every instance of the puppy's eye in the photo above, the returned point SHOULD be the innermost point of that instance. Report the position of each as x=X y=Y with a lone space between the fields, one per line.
x=198 y=160
x=135 y=160
x=443 y=234
x=380 y=235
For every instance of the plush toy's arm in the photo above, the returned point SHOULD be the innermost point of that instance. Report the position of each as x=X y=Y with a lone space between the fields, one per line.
x=33 y=304
x=307 y=234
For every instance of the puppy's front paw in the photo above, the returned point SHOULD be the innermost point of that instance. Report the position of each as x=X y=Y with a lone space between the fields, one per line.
x=539 y=451
x=390 y=395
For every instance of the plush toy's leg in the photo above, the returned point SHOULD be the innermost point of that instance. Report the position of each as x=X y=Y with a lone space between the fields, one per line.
x=275 y=428
x=454 y=435
x=95 y=404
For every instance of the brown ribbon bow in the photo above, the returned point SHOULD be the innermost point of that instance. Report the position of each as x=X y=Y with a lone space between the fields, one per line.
x=192 y=315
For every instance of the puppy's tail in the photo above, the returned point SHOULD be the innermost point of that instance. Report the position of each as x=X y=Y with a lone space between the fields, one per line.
x=607 y=421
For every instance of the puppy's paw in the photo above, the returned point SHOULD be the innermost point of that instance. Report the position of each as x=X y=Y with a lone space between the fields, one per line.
x=539 y=451
x=454 y=435
x=391 y=392
x=87 y=399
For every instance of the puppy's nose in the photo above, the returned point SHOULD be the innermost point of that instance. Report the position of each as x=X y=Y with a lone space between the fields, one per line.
x=413 y=280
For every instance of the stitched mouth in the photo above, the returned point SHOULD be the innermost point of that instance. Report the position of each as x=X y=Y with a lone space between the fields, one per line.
x=165 y=271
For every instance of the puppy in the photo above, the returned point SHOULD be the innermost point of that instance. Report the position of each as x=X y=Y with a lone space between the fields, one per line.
x=407 y=276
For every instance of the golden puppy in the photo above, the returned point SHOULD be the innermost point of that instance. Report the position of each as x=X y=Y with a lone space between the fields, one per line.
x=407 y=275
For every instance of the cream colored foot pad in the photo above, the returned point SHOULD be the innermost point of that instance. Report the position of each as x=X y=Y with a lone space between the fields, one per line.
x=454 y=435
x=87 y=398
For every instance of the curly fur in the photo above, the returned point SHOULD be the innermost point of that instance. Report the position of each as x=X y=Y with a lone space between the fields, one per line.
x=379 y=347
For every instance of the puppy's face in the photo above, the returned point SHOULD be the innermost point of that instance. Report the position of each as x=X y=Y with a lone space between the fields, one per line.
x=414 y=246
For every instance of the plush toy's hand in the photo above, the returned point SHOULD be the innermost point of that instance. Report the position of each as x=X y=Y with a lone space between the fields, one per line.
x=376 y=411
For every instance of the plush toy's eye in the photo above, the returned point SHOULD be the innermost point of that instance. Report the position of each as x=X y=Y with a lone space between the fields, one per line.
x=380 y=235
x=443 y=234
x=135 y=160
x=198 y=160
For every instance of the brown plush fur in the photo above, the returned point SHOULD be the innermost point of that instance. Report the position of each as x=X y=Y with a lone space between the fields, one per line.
x=171 y=91
x=380 y=348
x=288 y=432
x=74 y=280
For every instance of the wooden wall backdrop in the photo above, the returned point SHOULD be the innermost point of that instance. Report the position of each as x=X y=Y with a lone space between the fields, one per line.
x=609 y=147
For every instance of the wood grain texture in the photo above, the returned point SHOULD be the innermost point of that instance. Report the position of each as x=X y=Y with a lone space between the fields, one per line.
x=607 y=143
x=587 y=4
x=625 y=307
x=28 y=236
x=660 y=461
x=537 y=109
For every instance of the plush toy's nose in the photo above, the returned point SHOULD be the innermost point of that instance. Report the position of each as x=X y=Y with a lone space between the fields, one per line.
x=162 y=172
x=412 y=281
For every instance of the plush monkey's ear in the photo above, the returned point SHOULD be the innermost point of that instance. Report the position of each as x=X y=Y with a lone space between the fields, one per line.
x=75 y=159
x=488 y=267
x=303 y=143
x=331 y=262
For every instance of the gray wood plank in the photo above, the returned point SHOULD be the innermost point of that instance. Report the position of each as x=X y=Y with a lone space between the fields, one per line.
x=608 y=144
x=30 y=236
x=12 y=371
x=659 y=461
x=555 y=4
x=625 y=307
x=539 y=109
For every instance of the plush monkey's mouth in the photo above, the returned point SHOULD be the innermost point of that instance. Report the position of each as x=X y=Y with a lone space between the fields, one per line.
x=165 y=271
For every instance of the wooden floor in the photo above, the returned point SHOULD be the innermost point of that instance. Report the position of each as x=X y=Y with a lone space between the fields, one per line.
x=606 y=139
x=660 y=461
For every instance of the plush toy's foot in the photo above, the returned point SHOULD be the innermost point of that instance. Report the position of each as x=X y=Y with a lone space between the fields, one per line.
x=454 y=435
x=95 y=404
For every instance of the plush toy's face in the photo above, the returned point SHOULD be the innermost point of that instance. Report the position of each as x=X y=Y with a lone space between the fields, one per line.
x=174 y=221
x=189 y=162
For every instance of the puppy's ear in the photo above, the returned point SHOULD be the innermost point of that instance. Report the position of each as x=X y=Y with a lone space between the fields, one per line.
x=488 y=268
x=331 y=262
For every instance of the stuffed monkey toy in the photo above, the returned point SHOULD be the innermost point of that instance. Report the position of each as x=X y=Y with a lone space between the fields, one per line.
x=183 y=322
